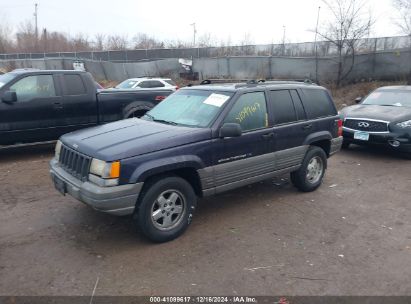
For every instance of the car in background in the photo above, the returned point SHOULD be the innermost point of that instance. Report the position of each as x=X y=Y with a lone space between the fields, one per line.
x=38 y=106
x=147 y=83
x=382 y=118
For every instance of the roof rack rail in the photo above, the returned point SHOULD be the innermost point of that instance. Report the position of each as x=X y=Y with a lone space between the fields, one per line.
x=248 y=82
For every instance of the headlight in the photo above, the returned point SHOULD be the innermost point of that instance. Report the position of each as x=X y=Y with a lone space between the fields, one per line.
x=104 y=173
x=57 y=150
x=404 y=124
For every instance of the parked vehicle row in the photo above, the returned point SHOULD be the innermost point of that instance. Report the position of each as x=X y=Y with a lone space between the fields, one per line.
x=42 y=105
x=200 y=141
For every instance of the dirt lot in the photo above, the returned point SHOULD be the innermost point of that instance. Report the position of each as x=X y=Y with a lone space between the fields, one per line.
x=351 y=237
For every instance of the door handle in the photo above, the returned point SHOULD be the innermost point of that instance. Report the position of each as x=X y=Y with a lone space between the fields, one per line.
x=58 y=105
x=306 y=127
x=268 y=136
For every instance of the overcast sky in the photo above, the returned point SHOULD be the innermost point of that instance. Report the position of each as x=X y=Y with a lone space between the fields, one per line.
x=263 y=20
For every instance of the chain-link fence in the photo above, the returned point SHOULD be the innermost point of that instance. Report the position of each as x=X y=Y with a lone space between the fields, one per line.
x=307 y=49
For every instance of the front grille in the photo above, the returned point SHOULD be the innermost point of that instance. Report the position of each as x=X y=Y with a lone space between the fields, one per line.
x=366 y=125
x=75 y=163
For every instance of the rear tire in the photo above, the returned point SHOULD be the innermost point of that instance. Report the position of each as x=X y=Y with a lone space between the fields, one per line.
x=311 y=173
x=166 y=207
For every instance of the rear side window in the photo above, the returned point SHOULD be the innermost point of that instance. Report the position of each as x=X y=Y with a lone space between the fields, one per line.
x=282 y=107
x=156 y=84
x=318 y=103
x=73 y=85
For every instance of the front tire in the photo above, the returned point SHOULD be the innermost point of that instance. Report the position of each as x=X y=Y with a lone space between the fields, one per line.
x=311 y=173
x=166 y=207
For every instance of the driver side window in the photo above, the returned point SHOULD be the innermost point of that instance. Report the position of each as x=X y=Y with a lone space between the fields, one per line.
x=37 y=86
x=250 y=111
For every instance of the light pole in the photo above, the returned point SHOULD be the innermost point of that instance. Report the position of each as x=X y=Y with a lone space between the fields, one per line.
x=36 y=33
x=315 y=45
x=195 y=32
x=283 y=40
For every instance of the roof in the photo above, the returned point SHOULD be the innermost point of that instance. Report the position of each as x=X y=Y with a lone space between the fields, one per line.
x=23 y=71
x=395 y=88
x=244 y=86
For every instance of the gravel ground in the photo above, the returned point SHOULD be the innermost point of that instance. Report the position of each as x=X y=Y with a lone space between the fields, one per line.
x=350 y=237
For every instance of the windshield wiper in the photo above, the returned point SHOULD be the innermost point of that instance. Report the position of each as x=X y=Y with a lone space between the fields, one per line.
x=161 y=120
x=165 y=122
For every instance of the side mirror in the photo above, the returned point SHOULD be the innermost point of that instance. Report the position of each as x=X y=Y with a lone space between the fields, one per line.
x=230 y=130
x=9 y=97
x=358 y=100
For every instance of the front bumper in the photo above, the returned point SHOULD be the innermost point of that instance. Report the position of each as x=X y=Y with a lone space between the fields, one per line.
x=381 y=139
x=118 y=200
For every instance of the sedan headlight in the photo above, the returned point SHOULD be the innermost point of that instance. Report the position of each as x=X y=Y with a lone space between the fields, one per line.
x=103 y=173
x=404 y=124
x=57 y=150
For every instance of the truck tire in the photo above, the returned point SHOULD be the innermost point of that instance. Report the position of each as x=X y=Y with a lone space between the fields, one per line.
x=165 y=208
x=310 y=175
x=138 y=109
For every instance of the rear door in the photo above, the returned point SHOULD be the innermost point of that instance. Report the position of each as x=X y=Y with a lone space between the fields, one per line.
x=78 y=108
x=33 y=117
x=247 y=156
x=290 y=127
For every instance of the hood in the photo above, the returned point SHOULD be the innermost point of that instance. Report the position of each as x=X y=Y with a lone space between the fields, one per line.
x=386 y=113
x=131 y=137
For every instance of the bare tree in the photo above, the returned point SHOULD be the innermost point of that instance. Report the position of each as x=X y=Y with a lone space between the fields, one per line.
x=348 y=24
x=6 y=41
x=404 y=22
x=247 y=46
x=206 y=40
x=99 y=43
x=26 y=39
x=143 y=41
x=404 y=11
x=117 y=42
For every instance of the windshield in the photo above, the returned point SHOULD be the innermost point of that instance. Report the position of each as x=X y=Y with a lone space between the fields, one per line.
x=389 y=98
x=127 y=84
x=193 y=108
x=5 y=78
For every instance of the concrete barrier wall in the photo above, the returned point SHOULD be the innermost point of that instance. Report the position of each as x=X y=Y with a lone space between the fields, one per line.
x=383 y=65
x=102 y=70
x=387 y=65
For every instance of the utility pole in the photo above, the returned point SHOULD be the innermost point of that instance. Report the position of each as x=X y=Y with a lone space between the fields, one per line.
x=195 y=32
x=315 y=45
x=36 y=33
x=283 y=40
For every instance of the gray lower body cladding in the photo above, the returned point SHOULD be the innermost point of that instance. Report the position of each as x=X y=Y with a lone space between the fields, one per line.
x=224 y=177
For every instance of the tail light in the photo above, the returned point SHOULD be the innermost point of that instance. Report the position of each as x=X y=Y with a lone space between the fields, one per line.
x=159 y=98
x=177 y=87
x=340 y=127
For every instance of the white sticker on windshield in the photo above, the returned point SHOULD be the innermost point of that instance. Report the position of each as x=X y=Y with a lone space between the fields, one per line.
x=216 y=100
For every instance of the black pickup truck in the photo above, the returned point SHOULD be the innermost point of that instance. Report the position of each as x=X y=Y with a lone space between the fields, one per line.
x=39 y=106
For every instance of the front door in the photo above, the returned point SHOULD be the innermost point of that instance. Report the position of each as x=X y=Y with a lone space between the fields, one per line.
x=32 y=118
x=246 y=157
